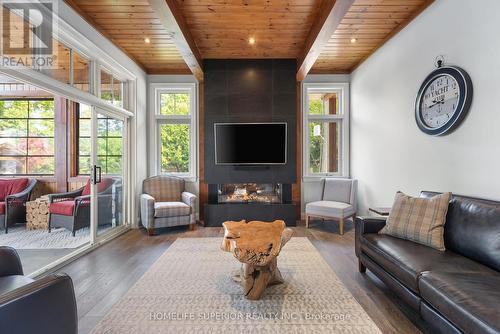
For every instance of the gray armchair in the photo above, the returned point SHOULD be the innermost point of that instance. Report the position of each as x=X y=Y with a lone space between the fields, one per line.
x=165 y=203
x=338 y=201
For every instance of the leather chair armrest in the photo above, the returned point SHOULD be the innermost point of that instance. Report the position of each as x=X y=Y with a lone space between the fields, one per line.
x=364 y=225
x=46 y=305
x=147 y=211
x=10 y=264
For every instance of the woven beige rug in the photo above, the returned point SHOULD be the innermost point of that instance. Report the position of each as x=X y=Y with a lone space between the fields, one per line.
x=190 y=290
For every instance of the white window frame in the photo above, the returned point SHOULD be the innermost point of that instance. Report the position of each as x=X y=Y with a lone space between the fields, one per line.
x=342 y=89
x=191 y=119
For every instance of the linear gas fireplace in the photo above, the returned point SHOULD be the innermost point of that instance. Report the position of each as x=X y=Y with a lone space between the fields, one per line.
x=250 y=193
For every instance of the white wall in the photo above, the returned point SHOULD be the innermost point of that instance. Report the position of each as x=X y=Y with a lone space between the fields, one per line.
x=388 y=151
x=139 y=122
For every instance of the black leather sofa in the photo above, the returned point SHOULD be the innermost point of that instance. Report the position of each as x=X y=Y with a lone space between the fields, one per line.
x=455 y=291
x=43 y=306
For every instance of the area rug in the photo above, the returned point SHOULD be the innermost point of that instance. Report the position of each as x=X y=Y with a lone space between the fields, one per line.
x=189 y=289
x=20 y=238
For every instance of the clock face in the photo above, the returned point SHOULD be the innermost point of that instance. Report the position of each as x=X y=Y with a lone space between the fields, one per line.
x=439 y=101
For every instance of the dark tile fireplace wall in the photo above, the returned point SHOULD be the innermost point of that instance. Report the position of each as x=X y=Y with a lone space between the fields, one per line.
x=249 y=91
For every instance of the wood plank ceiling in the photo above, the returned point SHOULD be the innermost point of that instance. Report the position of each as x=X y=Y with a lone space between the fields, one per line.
x=127 y=23
x=371 y=23
x=222 y=28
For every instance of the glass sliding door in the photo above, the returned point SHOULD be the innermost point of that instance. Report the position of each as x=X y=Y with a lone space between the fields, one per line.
x=109 y=172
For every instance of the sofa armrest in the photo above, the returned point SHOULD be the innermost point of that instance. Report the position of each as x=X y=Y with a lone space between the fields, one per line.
x=364 y=225
x=10 y=263
x=22 y=196
x=190 y=199
x=46 y=305
x=147 y=211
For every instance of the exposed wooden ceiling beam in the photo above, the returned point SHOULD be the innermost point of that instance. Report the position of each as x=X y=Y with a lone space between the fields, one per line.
x=330 y=15
x=172 y=19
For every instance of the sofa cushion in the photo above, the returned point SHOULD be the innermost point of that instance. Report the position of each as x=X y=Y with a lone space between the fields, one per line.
x=171 y=209
x=469 y=300
x=12 y=186
x=12 y=282
x=418 y=219
x=2 y=208
x=64 y=208
x=164 y=188
x=330 y=209
x=406 y=260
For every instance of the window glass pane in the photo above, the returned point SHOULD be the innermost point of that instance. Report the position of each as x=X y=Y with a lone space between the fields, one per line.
x=41 y=165
x=324 y=104
x=174 y=148
x=60 y=68
x=41 y=128
x=174 y=104
x=13 y=146
x=324 y=147
x=114 y=146
x=114 y=165
x=85 y=111
x=13 y=109
x=115 y=128
x=41 y=109
x=83 y=165
x=13 y=128
x=106 y=86
x=102 y=127
x=12 y=165
x=117 y=92
x=41 y=146
x=84 y=146
x=101 y=146
x=84 y=127
x=80 y=72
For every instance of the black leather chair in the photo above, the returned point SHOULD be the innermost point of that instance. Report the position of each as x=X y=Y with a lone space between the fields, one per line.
x=455 y=291
x=43 y=306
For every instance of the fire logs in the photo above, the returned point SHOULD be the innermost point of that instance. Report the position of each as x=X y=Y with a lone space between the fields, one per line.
x=37 y=214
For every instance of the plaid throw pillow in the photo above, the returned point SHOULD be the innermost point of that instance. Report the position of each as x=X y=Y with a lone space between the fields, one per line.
x=419 y=220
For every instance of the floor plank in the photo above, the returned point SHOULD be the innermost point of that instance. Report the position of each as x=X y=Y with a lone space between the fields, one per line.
x=103 y=276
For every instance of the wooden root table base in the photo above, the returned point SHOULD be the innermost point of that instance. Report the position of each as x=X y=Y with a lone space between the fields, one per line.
x=257 y=245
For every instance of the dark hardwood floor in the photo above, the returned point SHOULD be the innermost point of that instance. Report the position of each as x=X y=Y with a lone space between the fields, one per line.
x=103 y=276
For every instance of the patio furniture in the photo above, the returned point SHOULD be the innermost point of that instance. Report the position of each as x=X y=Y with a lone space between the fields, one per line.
x=338 y=201
x=165 y=203
x=45 y=305
x=14 y=193
x=71 y=210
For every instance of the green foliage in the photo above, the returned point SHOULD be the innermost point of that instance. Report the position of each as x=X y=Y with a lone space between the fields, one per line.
x=315 y=142
x=175 y=148
x=174 y=104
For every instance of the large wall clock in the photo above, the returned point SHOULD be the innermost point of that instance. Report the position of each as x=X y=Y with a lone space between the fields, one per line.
x=443 y=100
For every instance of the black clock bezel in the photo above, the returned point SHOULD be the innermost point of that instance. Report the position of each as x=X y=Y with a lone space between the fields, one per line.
x=465 y=99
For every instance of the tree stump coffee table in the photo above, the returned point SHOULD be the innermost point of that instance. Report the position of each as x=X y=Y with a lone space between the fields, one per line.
x=256 y=245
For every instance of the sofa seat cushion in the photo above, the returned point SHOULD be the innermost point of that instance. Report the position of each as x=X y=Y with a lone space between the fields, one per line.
x=2 y=208
x=12 y=282
x=407 y=260
x=171 y=209
x=64 y=208
x=330 y=209
x=469 y=300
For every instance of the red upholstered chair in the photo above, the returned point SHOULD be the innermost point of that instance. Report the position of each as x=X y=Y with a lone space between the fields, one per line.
x=14 y=193
x=71 y=210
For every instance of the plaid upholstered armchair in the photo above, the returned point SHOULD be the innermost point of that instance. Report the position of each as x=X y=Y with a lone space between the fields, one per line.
x=165 y=203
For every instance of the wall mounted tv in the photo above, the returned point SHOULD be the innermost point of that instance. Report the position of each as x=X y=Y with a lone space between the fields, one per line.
x=250 y=143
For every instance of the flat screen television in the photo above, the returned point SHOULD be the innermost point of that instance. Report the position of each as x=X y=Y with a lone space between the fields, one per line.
x=250 y=143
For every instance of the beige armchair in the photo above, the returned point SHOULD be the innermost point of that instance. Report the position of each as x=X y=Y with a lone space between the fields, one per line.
x=338 y=202
x=165 y=203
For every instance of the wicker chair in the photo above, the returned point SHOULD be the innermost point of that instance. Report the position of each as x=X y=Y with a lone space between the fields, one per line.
x=165 y=203
x=71 y=210
x=14 y=193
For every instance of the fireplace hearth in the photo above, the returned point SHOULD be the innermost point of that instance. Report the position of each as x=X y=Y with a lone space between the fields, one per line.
x=250 y=193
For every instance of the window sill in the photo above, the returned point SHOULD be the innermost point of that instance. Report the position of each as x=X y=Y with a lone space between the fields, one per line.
x=319 y=177
x=187 y=178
